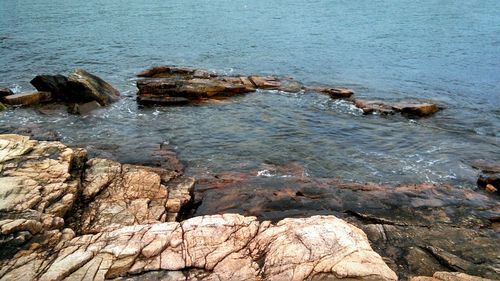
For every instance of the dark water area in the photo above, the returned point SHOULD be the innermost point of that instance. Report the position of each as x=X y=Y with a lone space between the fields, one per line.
x=448 y=51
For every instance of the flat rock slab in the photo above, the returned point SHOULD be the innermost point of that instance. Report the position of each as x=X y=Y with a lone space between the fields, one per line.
x=450 y=276
x=219 y=247
x=28 y=98
x=412 y=108
x=171 y=85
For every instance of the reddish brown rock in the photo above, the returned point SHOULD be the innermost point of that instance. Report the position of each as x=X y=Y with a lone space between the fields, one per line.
x=412 y=108
x=450 y=276
x=374 y=106
x=416 y=108
x=28 y=98
x=265 y=82
x=337 y=93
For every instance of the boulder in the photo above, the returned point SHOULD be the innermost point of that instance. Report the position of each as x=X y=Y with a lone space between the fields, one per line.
x=83 y=86
x=55 y=84
x=489 y=179
x=79 y=87
x=219 y=247
x=28 y=98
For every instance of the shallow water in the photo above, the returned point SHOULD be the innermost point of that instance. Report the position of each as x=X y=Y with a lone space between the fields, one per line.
x=443 y=50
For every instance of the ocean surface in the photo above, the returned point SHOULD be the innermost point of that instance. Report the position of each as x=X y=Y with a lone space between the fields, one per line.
x=444 y=50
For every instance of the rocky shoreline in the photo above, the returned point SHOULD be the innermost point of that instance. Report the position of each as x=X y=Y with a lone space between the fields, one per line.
x=65 y=214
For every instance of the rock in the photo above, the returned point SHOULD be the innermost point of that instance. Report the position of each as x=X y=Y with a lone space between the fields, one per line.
x=161 y=100
x=2 y=107
x=79 y=87
x=119 y=195
x=219 y=247
x=400 y=221
x=416 y=108
x=5 y=92
x=449 y=276
x=84 y=108
x=169 y=71
x=28 y=98
x=160 y=88
x=87 y=87
x=490 y=188
x=336 y=93
x=412 y=108
x=55 y=84
x=374 y=106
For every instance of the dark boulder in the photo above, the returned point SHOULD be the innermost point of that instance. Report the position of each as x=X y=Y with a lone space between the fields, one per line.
x=5 y=92
x=55 y=84
x=79 y=87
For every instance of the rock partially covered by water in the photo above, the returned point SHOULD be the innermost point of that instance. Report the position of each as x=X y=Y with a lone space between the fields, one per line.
x=178 y=85
x=219 y=247
x=5 y=92
x=27 y=99
x=489 y=179
x=175 y=90
x=418 y=229
x=79 y=87
x=412 y=108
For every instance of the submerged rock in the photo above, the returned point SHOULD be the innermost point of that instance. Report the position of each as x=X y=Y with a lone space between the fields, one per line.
x=84 y=108
x=489 y=179
x=220 y=247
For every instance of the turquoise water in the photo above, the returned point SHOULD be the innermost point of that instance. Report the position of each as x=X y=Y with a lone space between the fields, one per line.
x=448 y=51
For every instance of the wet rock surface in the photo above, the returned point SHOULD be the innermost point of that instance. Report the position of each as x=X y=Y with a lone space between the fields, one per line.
x=411 y=107
x=489 y=178
x=179 y=85
x=80 y=90
x=418 y=229
x=65 y=217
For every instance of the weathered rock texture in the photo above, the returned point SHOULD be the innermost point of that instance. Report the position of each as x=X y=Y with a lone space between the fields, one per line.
x=46 y=186
x=63 y=217
x=418 y=229
x=219 y=247
x=28 y=98
x=177 y=85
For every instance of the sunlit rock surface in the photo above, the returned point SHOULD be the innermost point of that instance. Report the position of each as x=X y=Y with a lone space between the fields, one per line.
x=219 y=247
